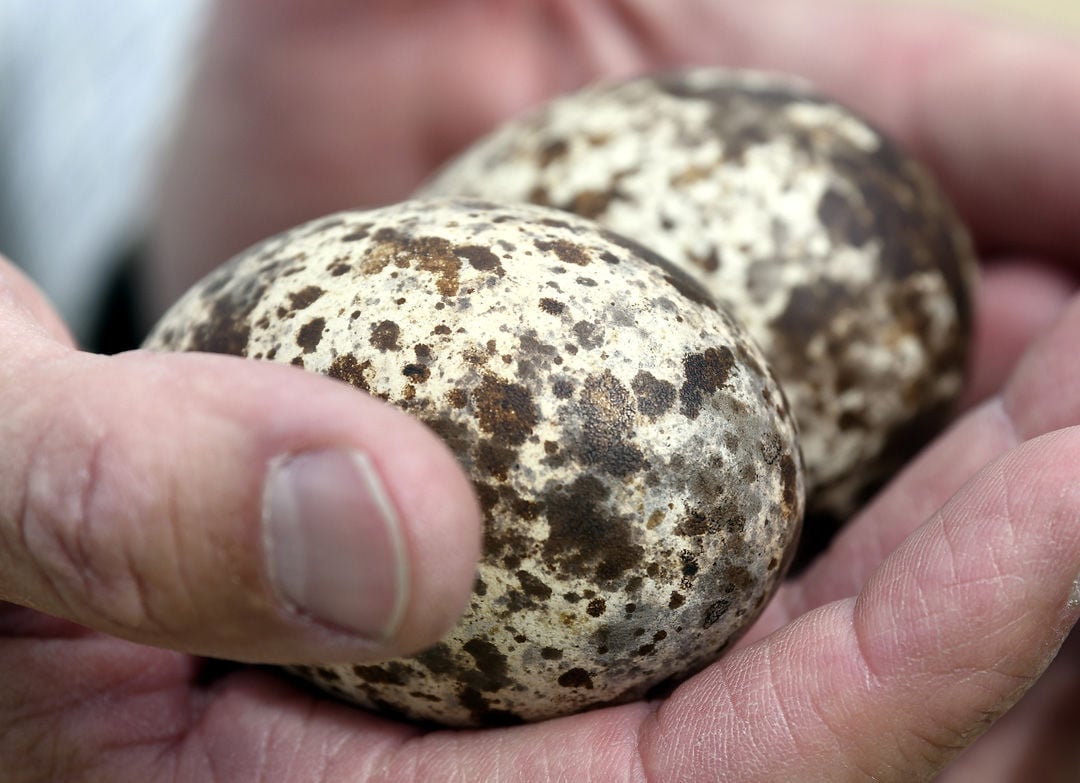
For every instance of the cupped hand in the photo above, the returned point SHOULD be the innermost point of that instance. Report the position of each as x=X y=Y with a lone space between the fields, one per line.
x=928 y=619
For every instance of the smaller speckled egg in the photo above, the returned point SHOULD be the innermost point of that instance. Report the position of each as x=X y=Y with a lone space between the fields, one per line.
x=838 y=252
x=635 y=461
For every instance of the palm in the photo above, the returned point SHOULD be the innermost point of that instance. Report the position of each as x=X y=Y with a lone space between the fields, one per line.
x=353 y=105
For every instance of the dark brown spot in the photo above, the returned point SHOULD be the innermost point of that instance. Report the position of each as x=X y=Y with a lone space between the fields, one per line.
x=723 y=514
x=326 y=673
x=810 y=310
x=505 y=410
x=481 y=711
x=389 y=673
x=346 y=368
x=490 y=664
x=533 y=587
x=714 y=613
x=227 y=329
x=562 y=388
x=709 y=263
x=384 y=336
x=587 y=536
x=457 y=398
x=737 y=579
x=594 y=203
x=310 y=334
x=705 y=373
x=481 y=258
x=417 y=373
x=847 y=221
x=431 y=254
x=607 y=427
x=551 y=152
x=654 y=397
x=551 y=654
x=576 y=678
x=567 y=252
x=444 y=264
x=789 y=477
x=305 y=297
x=552 y=306
x=437 y=659
x=357 y=233
x=339 y=267
x=596 y=607
x=676 y=600
x=690 y=568
x=488 y=496
x=743 y=117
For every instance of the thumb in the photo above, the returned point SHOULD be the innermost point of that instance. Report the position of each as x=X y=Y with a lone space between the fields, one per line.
x=225 y=507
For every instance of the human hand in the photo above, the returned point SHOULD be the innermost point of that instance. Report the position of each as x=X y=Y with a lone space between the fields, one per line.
x=899 y=647
x=207 y=506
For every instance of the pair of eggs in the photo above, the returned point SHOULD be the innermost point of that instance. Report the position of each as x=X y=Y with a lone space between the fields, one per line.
x=720 y=275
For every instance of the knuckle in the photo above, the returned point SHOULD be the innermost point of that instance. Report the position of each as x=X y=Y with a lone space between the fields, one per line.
x=76 y=530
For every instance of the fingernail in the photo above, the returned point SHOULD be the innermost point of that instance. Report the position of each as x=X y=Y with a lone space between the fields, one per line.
x=333 y=542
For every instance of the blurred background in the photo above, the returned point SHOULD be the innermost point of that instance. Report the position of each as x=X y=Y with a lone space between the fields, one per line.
x=1055 y=14
x=77 y=108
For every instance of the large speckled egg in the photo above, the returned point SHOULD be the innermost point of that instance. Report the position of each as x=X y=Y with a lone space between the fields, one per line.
x=635 y=461
x=838 y=252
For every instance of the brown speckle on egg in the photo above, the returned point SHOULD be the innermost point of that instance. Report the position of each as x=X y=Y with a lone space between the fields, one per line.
x=606 y=478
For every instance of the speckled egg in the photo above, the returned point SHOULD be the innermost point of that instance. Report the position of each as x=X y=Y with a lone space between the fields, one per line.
x=839 y=253
x=635 y=461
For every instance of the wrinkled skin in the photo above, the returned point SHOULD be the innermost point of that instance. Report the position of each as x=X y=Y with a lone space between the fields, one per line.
x=936 y=612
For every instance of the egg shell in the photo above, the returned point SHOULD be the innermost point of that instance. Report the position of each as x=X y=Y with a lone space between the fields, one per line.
x=837 y=251
x=635 y=461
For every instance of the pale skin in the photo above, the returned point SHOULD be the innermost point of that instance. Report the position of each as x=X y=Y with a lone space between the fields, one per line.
x=901 y=654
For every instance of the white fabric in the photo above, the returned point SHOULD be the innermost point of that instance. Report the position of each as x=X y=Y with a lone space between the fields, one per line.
x=86 y=93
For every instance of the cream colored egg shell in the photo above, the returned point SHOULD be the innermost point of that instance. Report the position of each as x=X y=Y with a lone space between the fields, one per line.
x=635 y=462
x=837 y=252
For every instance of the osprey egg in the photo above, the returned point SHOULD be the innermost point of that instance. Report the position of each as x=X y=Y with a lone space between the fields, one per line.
x=635 y=461
x=838 y=252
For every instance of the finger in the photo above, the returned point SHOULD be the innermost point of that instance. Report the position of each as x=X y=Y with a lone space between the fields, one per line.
x=19 y=294
x=1042 y=395
x=890 y=685
x=1019 y=299
x=603 y=35
x=95 y=708
x=225 y=507
x=994 y=111
x=1036 y=739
